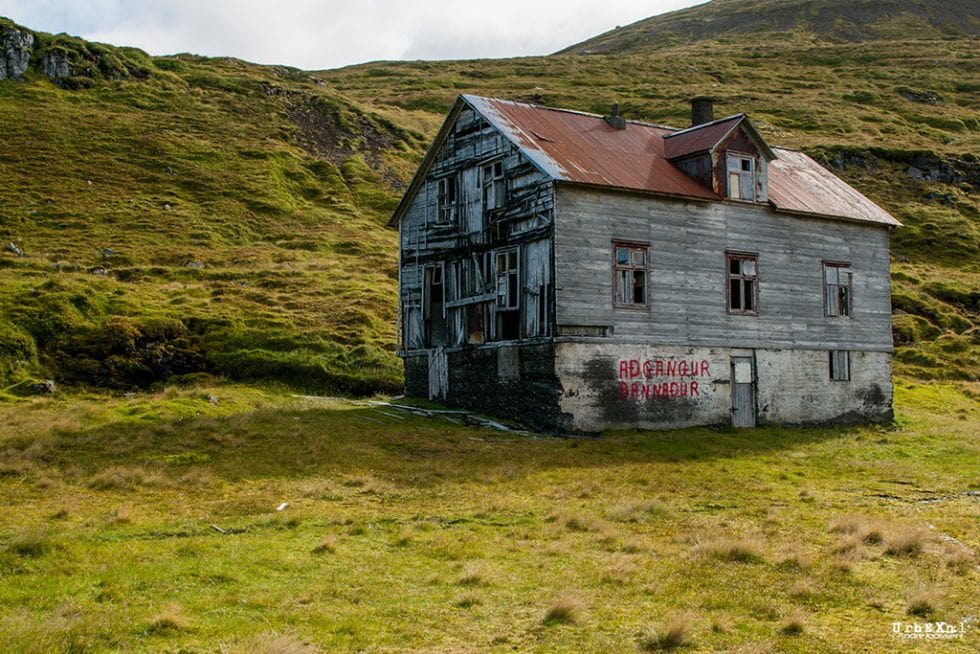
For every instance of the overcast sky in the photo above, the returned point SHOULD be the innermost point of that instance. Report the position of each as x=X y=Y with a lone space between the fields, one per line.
x=320 y=34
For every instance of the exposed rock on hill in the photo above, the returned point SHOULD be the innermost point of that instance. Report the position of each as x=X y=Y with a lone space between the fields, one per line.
x=16 y=47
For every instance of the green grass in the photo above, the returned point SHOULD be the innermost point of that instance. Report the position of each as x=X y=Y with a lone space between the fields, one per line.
x=150 y=523
x=245 y=205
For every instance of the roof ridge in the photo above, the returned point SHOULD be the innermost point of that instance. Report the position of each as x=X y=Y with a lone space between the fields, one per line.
x=703 y=125
x=565 y=111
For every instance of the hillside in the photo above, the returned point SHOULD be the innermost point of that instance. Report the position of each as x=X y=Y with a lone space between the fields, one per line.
x=179 y=215
x=830 y=20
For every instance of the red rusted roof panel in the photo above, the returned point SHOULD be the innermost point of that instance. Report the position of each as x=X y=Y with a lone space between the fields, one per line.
x=798 y=183
x=700 y=138
x=585 y=149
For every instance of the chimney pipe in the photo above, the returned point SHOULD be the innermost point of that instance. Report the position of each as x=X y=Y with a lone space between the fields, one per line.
x=702 y=110
x=615 y=120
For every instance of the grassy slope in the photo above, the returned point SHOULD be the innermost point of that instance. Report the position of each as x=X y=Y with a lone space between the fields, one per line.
x=856 y=20
x=279 y=182
x=410 y=534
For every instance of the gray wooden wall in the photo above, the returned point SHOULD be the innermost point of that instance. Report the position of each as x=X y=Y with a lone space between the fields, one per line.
x=525 y=221
x=688 y=279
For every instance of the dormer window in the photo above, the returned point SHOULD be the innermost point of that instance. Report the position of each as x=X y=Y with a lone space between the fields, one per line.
x=741 y=177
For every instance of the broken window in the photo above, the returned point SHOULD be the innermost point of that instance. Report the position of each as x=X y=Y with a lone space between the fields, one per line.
x=837 y=289
x=630 y=265
x=840 y=365
x=448 y=200
x=433 y=307
x=494 y=189
x=743 y=283
x=741 y=177
x=508 y=295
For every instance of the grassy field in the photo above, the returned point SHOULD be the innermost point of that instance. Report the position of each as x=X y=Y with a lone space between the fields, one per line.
x=181 y=215
x=150 y=523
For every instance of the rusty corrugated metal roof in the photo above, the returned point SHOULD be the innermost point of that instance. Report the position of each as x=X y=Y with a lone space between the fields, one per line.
x=583 y=148
x=798 y=183
x=699 y=138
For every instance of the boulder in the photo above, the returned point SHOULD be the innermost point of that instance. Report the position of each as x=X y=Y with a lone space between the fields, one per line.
x=16 y=47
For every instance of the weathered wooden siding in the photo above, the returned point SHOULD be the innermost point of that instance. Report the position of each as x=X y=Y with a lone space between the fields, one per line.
x=523 y=221
x=688 y=302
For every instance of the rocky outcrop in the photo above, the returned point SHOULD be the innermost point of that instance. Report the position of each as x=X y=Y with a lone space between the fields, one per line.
x=16 y=47
x=57 y=65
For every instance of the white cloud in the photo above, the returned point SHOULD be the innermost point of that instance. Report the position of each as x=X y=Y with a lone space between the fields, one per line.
x=330 y=33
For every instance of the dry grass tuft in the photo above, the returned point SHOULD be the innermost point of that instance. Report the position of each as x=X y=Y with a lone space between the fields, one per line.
x=169 y=620
x=274 y=643
x=795 y=561
x=864 y=528
x=326 y=546
x=468 y=600
x=732 y=550
x=721 y=625
x=125 y=478
x=635 y=512
x=803 y=589
x=922 y=603
x=794 y=624
x=579 y=523
x=404 y=538
x=474 y=573
x=31 y=543
x=907 y=542
x=621 y=570
x=674 y=635
x=567 y=609
x=123 y=515
x=960 y=559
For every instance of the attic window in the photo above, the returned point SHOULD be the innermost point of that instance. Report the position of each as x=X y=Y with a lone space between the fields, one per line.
x=741 y=177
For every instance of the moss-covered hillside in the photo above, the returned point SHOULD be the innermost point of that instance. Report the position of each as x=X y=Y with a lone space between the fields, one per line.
x=179 y=214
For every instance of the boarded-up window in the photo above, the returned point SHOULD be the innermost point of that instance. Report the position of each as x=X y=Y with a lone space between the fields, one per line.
x=840 y=365
x=837 y=289
x=741 y=177
x=447 y=211
x=743 y=283
x=630 y=269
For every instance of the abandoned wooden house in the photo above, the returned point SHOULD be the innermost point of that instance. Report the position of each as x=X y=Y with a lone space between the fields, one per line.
x=578 y=272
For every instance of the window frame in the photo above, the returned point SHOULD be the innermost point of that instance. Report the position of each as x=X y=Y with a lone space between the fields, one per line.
x=849 y=312
x=514 y=302
x=645 y=269
x=834 y=372
x=739 y=157
x=447 y=211
x=494 y=184
x=731 y=255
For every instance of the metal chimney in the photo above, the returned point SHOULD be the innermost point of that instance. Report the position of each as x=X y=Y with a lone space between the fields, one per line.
x=615 y=120
x=702 y=110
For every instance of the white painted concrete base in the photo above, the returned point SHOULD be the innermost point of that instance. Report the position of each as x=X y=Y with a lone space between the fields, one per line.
x=623 y=385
